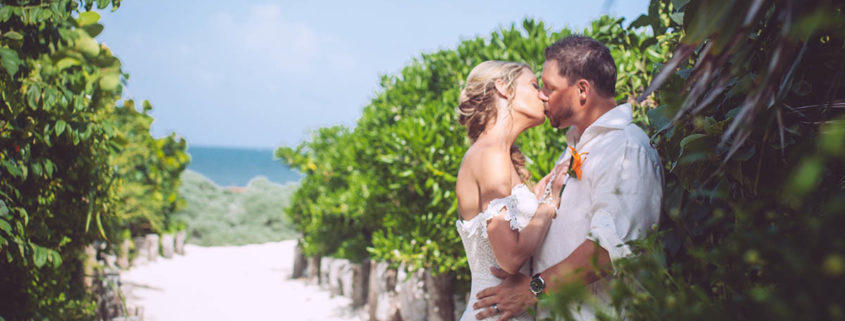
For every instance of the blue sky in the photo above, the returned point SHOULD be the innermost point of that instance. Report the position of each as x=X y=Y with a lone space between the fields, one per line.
x=263 y=74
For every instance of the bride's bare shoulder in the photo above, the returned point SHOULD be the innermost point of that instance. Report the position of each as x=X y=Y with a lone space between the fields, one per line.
x=489 y=166
x=485 y=174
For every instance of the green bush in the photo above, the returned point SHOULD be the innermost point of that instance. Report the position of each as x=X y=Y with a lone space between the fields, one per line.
x=751 y=129
x=218 y=216
x=76 y=166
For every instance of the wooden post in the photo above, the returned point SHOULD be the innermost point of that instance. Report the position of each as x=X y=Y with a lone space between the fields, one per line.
x=89 y=265
x=300 y=262
x=314 y=263
x=123 y=254
x=179 y=242
x=413 y=299
x=325 y=272
x=384 y=302
x=360 y=284
x=167 y=245
x=441 y=303
x=141 y=254
x=345 y=278
x=151 y=243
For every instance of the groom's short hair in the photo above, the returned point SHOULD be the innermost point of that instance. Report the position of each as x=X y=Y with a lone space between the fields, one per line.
x=582 y=57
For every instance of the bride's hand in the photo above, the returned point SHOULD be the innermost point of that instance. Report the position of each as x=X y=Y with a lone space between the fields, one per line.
x=540 y=187
x=557 y=184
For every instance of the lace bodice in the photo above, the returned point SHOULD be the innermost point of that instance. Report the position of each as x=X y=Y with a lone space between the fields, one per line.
x=519 y=207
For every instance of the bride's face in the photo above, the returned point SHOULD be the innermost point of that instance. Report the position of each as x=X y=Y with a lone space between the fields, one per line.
x=526 y=100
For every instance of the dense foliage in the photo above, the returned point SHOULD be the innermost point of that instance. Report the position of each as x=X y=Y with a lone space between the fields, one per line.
x=220 y=216
x=77 y=165
x=386 y=188
x=751 y=128
x=746 y=115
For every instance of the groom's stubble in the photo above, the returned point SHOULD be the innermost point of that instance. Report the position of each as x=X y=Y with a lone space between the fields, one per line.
x=557 y=110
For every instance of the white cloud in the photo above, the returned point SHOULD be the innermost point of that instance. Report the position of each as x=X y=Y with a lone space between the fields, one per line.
x=268 y=37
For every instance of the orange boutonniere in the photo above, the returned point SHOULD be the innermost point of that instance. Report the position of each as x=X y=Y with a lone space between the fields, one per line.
x=575 y=164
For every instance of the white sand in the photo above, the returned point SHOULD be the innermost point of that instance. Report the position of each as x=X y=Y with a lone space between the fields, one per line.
x=249 y=282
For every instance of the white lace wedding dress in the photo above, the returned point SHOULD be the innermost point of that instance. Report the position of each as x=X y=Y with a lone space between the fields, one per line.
x=520 y=206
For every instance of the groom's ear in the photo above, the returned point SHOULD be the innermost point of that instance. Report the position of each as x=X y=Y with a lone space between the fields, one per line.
x=502 y=88
x=585 y=88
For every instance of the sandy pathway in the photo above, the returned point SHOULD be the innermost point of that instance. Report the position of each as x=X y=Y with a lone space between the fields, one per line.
x=230 y=283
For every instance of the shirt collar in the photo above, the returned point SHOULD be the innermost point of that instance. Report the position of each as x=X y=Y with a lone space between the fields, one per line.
x=616 y=118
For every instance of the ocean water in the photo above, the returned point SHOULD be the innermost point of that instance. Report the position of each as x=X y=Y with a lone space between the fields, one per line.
x=237 y=166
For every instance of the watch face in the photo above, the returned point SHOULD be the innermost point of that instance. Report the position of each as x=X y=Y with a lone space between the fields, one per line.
x=536 y=285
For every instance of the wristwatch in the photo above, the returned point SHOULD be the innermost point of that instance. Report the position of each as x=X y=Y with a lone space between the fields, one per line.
x=537 y=285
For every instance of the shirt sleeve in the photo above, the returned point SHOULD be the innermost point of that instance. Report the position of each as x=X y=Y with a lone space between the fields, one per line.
x=627 y=194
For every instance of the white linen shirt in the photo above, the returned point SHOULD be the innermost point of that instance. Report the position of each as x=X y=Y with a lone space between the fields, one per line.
x=616 y=200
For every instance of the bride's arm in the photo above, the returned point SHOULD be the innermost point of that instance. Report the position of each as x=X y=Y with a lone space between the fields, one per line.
x=511 y=248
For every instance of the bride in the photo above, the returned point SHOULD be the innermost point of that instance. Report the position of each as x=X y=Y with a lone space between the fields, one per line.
x=502 y=221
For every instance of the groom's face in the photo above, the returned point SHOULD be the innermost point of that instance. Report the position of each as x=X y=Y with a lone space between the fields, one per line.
x=557 y=94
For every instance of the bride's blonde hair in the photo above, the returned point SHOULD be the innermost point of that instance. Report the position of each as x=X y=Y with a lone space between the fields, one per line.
x=477 y=103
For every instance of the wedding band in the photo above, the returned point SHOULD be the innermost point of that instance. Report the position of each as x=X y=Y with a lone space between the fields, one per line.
x=496 y=307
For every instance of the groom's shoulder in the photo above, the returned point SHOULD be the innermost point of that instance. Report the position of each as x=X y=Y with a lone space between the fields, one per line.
x=637 y=136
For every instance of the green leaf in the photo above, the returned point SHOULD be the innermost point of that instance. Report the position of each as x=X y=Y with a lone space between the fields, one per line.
x=691 y=138
x=39 y=255
x=13 y=35
x=110 y=81
x=5 y=13
x=12 y=168
x=5 y=227
x=56 y=258
x=87 y=18
x=93 y=29
x=11 y=61
x=37 y=169
x=67 y=62
x=100 y=226
x=806 y=176
x=679 y=3
x=677 y=17
x=87 y=45
x=48 y=166
x=60 y=127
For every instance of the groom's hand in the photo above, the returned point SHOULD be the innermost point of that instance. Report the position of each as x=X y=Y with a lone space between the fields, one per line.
x=512 y=296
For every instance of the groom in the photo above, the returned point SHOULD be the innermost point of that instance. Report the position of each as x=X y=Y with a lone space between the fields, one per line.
x=612 y=195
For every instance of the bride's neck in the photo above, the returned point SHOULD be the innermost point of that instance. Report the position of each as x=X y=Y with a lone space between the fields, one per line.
x=505 y=131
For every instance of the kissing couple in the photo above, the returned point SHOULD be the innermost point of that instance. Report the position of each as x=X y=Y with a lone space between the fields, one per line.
x=605 y=190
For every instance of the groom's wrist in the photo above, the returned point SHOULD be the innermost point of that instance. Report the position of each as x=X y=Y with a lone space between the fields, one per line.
x=537 y=285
